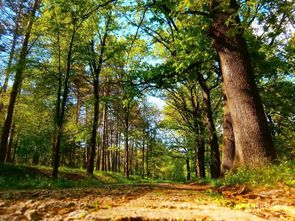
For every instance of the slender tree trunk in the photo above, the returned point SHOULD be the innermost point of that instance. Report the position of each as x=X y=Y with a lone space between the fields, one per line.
x=108 y=160
x=97 y=69
x=17 y=83
x=74 y=146
x=127 y=154
x=12 y=53
x=98 y=159
x=93 y=141
x=201 y=154
x=118 y=149
x=84 y=157
x=132 y=158
x=254 y=146
x=61 y=114
x=10 y=144
x=15 y=148
x=104 y=140
x=142 y=159
x=196 y=160
x=8 y=69
x=36 y=158
x=188 y=170
x=214 y=147
x=147 y=158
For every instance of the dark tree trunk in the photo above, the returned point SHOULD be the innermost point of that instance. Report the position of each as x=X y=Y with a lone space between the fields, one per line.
x=93 y=140
x=118 y=150
x=108 y=150
x=98 y=159
x=188 y=170
x=15 y=148
x=143 y=158
x=254 y=146
x=126 y=134
x=228 y=143
x=196 y=160
x=36 y=158
x=74 y=145
x=148 y=153
x=214 y=147
x=10 y=144
x=97 y=67
x=104 y=140
x=17 y=84
x=201 y=155
x=127 y=153
x=131 y=158
x=60 y=111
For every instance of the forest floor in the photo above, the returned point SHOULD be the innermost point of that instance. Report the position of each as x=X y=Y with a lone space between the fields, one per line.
x=149 y=202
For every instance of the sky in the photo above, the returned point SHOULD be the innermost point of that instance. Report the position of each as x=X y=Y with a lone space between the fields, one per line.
x=156 y=101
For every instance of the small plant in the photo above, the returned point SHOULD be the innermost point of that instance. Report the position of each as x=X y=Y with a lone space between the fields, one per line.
x=269 y=176
x=96 y=205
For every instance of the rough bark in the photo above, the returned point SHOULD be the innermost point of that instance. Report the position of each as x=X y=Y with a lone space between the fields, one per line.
x=228 y=142
x=254 y=146
x=17 y=83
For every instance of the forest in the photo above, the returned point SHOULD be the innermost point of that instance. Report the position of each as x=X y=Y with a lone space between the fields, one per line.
x=177 y=91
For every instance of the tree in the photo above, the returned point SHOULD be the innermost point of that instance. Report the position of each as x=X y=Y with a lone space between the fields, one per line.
x=77 y=14
x=17 y=82
x=253 y=143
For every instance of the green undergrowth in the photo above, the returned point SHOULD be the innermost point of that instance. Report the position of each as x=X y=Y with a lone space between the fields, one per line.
x=14 y=177
x=270 y=176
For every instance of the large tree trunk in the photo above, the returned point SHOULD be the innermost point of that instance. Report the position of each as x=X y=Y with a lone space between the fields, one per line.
x=228 y=142
x=254 y=146
x=17 y=83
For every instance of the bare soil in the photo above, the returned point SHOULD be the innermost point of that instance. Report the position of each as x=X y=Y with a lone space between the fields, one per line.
x=149 y=202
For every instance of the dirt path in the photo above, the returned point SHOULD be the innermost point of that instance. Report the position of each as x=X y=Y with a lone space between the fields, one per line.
x=147 y=202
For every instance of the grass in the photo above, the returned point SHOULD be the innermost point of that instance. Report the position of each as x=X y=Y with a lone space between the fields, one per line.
x=24 y=177
x=268 y=176
x=14 y=177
